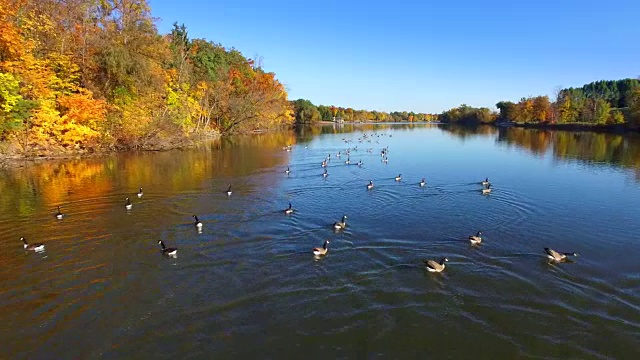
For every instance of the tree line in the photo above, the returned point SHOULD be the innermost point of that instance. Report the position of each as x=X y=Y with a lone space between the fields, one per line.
x=308 y=113
x=599 y=102
x=88 y=74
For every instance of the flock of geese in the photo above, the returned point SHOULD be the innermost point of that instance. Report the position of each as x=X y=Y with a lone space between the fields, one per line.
x=431 y=265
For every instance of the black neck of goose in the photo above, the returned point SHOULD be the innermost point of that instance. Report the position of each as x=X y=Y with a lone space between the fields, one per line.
x=289 y=206
x=344 y=219
x=442 y=261
x=324 y=246
x=162 y=244
x=196 y=218
x=24 y=241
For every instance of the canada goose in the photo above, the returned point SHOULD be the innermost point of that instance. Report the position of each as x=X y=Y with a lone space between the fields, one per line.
x=59 y=214
x=229 y=192
x=128 y=204
x=288 y=210
x=423 y=182
x=485 y=182
x=339 y=225
x=348 y=161
x=197 y=222
x=360 y=163
x=487 y=190
x=140 y=193
x=325 y=173
x=434 y=266
x=385 y=160
x=324 y=163
x=370 y=185
x=287 y=171
x=399 y=177
x=321 y=251
x=338 y=154
x=476 y=239
x=32 y=247
x=171 y=252
x=557 y=256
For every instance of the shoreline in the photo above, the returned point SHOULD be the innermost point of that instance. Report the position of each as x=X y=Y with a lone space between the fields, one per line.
x=606 y=128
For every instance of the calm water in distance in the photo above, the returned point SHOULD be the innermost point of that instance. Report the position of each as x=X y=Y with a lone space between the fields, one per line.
x=248 y=286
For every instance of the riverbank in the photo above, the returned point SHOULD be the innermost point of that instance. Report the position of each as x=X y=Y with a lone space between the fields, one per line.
x=610 y=128
x=13 y=154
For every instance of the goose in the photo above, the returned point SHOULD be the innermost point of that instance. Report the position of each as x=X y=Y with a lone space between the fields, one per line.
x=338 y=154
x=321 y=251
x=140 y=193
x=360 y=163
x=289 y=210
x=487 y=190
x=32 y=247
x=399 y=177
x=287 y=171
x=385 y=160
x=434 y=266
x=128 y=204
x=171 y=252
x=485 y=182
x=422 y=182
x=476 y=239
x=197 y=223
x=339 y=225
x=348 y=161
x=370 y=185
x=229 y=192
x=557 y=256
x=59 y=214
x=324 y=163
x=325 y=174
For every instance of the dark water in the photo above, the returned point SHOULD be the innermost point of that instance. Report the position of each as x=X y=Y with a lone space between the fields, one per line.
x=248 y=286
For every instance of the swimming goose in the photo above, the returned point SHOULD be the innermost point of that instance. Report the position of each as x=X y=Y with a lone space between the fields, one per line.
x=32 y=247
x=289 y=210
x=287 y=171
x=321 y=251
x=338 y=154
x=324 y=163
x=325 y=174
x=140 y=193
x=128 y=204
x=348 y=161
x=487 y=190
x=370 y=185
x=171 y=252
x=229 y=192
x=197 y=223
x=59 y=214
x=385 y=160
x=485 y=182
x=434 y=266
x=476 y=239
x=557 y=256
x=422 y=182
x=339 y=225
x=399 y=177
x=360 y=163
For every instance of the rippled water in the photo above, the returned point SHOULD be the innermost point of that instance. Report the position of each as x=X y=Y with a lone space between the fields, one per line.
x=248 y=286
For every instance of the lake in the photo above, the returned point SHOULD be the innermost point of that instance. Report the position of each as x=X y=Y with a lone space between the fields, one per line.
x=248 y=285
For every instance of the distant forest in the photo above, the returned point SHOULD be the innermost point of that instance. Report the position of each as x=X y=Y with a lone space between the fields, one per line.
x=599 y=102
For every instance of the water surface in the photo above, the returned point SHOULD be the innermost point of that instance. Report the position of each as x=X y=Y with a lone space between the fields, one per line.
x=249 y=287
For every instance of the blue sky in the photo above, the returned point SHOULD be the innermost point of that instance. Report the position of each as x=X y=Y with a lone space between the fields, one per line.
x=423 y=56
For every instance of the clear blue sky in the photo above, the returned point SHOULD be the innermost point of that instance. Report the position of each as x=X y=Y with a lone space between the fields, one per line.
x=423 y=56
